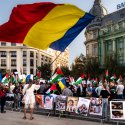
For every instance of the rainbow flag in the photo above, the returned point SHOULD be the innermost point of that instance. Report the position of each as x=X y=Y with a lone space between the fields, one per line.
x=45 y=24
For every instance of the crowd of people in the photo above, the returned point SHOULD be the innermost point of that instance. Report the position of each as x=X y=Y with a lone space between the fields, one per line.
x=24 y=92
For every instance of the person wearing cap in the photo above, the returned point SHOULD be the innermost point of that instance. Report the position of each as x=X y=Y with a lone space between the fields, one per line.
x=29 y=97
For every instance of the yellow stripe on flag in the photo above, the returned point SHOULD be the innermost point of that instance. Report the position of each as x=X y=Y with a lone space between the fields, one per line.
x=61 y=85
x=53 y=26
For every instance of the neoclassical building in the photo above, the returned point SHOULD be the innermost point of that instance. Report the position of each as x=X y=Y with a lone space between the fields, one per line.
x=105 y=36
x=25 y=59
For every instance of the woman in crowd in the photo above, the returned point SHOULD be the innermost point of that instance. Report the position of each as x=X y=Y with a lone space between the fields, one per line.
x=105 y=96
x=29 y=97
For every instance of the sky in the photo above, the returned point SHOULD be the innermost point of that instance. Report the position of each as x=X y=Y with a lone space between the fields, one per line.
x=77 y=46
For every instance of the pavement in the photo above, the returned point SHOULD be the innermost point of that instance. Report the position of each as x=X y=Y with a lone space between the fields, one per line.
x=15 y=118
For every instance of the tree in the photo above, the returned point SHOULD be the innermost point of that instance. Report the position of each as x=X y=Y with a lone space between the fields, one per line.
x=45 y=71
x=65 y=71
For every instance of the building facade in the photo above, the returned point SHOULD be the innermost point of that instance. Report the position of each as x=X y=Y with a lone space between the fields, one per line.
x=105 y=36
x=25 y=59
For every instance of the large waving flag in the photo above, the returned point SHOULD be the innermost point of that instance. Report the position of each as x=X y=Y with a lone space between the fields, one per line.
x=45 y=24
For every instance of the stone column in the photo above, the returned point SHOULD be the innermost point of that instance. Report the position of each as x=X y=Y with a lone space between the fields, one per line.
x=114 y=45
x=34 y=68
x=8 y=60
x=19 y=60
x=28 y=61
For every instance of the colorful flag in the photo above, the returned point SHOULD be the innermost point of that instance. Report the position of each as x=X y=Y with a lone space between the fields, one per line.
x=5 y=79
x=45 y=24
x=107 y=73
x=0 y=76
x=62 y=83
x=56 y=76
x=30 y=76
x=79 y=80
x=52 y=88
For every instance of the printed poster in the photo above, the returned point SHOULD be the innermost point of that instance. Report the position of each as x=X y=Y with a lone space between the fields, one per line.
x=48 y=102
x=83 y=106
x=72 y=104
x=95 y=106
x=39 y=101
x=117 y=110
x=61 y=103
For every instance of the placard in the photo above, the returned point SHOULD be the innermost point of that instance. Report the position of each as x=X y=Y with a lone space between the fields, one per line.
x=39 y=101
x=83 y=106
x=72 y=104
x=61 y=103
x=48 y=102
x=95 y=106
x=117 y=110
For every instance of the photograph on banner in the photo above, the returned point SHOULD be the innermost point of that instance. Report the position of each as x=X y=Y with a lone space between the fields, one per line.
x=83 y=106
x=95 y=106
x=48 y=101
x=9 y=97
x=61 y=103
x=117 y=109
x=72 y=104
x=39 y=101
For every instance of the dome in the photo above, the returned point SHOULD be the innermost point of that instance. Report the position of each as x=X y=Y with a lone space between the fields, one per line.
x=98 y=10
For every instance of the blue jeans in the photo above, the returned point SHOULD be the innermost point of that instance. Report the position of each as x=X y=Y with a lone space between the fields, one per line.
x=120 y=96
x=104 y=107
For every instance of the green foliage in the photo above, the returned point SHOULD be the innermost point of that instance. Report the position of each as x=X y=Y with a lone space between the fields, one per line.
x=65 y=71
x=45 y=71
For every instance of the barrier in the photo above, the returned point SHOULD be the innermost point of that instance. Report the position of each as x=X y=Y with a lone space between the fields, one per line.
x=78 y=107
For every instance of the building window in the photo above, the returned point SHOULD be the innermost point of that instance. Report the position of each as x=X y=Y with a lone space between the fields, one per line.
x=31 y=62
x=94 y=34
x=120 y=24
x=120 y=59
x=109 y=47
x=3 y=53
x=24 y=53
x=3 y=62
x=94 y=50
x=3 y=43
x=24 y=70
x=13 y=62
x=24 y=62
x=13 y=44
x=31 y=71
x=31 y=54
x=87 y=50
x=36 y=55
x=13 y=54
x=120 y=44
x=36 y=63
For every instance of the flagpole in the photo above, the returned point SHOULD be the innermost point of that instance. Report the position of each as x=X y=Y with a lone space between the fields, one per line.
x=55 y=58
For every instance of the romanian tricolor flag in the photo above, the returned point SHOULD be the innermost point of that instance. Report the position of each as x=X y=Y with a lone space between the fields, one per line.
x=62 y=83
x=45 y=24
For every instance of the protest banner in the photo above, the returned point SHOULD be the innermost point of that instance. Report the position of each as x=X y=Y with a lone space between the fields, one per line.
x=39 y=101
x=72 y=104
x=95 y=106
x=117 y=110
x=48 y=102
x=61 y=103
x=83 y=106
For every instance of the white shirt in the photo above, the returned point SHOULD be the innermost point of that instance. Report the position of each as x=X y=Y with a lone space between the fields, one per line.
x=120 y=89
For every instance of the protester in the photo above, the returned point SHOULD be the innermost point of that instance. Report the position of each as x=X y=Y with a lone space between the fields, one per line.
x=3 y=98
x=67 y=92
x=104 y=94
x=29 y=97
x=119 y=90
